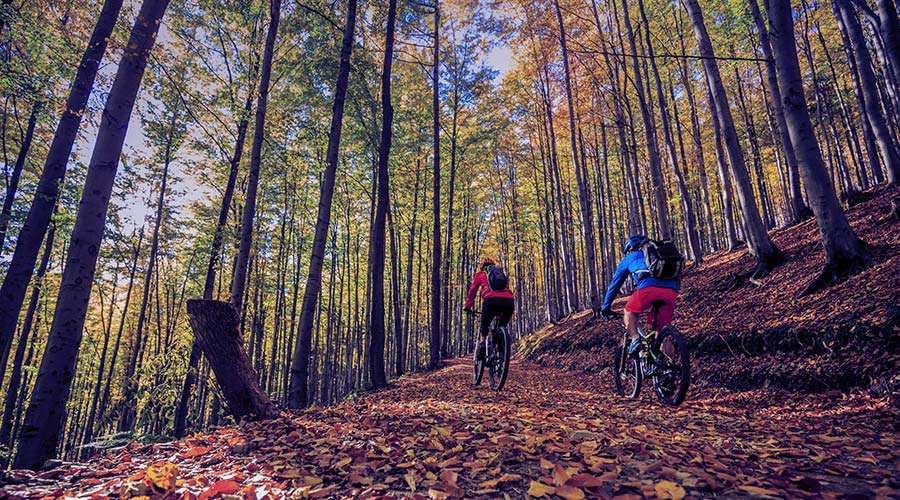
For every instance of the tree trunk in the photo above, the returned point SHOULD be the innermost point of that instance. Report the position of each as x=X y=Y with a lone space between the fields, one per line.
x=297 y=393
x=216 y=331
x=13 y=185
x=15 y=377
x=46 y=411
x=796 y=207
x=844 y=252
x=238 y=281
x=377 y=253
x=28 y=243
x=584 y=196
x=656 y=178
x=434 y=359
x=883 y=137
x=767 y=254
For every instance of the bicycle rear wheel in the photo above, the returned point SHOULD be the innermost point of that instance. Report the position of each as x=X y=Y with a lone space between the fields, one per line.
x=478 y=364
x=627 y=372
x=499 y=369
x=672 y=375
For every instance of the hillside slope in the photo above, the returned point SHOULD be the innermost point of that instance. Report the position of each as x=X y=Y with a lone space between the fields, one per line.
x=745 y=335
x=550 y=433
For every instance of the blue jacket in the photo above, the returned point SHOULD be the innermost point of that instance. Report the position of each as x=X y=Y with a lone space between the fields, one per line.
x=631 y=264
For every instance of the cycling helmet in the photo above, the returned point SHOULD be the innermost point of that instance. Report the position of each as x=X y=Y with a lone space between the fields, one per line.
x=487 y=261
x=634 y=242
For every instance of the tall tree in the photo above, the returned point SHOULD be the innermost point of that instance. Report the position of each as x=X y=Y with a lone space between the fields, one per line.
x=377 y=252
x=436 y=334
x=298 y=392
x=844 y=252
x=239 y=279
x=796 y=207
x=761 y=246
x=28 y=242
x=46 y=411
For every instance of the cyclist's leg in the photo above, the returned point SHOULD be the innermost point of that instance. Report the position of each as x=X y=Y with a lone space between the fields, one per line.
x=637 y=304
x=667 y=310
x=505 y=311
x=489 y=309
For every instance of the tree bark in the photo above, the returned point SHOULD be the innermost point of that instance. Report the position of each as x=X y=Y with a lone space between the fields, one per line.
x=239 y=279
x=796 y=207
x=584 y=196
x=844 y=252
x=867 y=82
x=13 y=185
x=767 y=254
x=434 y=359
x=46 y=411
x=216 y=330
x=297 y=392
x=28 y=243
x=377 y=254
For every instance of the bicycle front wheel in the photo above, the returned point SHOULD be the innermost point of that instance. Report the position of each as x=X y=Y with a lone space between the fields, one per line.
x=672 y=375
x=499 y=369
x=627 y=371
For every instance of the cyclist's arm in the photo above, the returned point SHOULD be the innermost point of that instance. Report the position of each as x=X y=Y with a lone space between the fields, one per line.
x=617 y=280
x=473 y=290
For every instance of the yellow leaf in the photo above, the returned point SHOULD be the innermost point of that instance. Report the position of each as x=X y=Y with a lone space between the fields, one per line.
x=669 y=490
x=546 y=464
x=410 y=481
x=290 y=474
x=569 y=492
x=343 y=463
x=312 y=480
x=537 y=489
x=559 y=475
x=163 y=476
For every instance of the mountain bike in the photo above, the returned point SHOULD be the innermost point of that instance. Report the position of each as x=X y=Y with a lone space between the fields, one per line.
x=662 y=355
x=496 y=355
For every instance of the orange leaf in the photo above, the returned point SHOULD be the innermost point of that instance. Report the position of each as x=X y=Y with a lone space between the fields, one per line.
x=669 y=490
x=559 y=475
x=537 y=489
x=570 y=492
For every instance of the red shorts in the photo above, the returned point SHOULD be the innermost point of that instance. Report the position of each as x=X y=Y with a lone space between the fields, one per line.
x=642 y=300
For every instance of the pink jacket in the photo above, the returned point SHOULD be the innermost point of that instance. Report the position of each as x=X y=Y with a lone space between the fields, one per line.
x=480 y=281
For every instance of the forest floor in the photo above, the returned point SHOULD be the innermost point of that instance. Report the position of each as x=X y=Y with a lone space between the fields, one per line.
x=549 y=432
x=751 y=335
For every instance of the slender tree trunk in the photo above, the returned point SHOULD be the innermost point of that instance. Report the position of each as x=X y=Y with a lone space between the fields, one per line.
x=377 y=252
x=883 y=137
x=297 y=393
x=766 y=253
x=436 y=335
x=46 y=411
x=796 y=208
x=126 y=420
x=844 y=252
x=28 y=242
x=13 y=184
x=238 y=281
x=656 y=178
x=584 y=196
x=25 y=341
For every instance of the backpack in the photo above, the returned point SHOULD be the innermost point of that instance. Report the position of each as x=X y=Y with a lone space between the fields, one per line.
x=496 y=279
x=663 y=260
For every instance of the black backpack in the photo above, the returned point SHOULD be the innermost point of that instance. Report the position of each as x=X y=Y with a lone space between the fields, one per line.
x=496 y=279
x=663 y=260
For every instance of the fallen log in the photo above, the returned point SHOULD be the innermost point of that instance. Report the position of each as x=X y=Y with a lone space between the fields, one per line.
x=216 y=331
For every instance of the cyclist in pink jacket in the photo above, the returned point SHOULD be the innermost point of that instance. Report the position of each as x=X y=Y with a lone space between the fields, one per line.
x=497 y=300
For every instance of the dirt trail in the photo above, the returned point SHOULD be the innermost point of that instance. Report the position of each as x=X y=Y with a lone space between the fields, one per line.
x=435 y=435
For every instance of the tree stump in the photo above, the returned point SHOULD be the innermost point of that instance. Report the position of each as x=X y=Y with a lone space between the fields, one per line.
x=217 y=333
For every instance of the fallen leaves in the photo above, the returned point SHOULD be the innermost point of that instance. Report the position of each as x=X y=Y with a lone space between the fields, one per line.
x=529 y=440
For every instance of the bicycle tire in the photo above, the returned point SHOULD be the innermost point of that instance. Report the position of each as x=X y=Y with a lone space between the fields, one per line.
x=499 y=370
x=478 y=365
x=672 y=377
x=631 y=370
